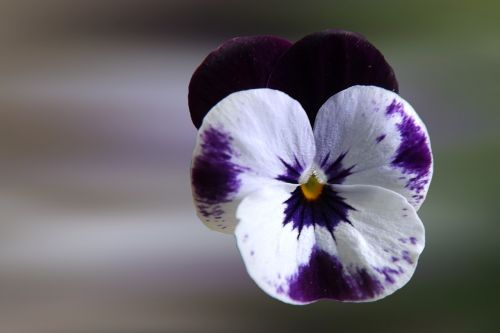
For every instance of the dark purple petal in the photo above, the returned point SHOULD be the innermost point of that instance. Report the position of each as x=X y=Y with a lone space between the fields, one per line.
x=324 y=63
x=239 y=64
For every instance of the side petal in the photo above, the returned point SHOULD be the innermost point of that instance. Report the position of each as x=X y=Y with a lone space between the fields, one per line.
x=324 y=63
x=369 y=135
x=249 y=139
x=239 y=64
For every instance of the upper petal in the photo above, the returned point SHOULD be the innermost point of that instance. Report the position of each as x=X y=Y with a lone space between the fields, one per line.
x=249 y=139
x=324 y=63
x=239 y=64
x=369 y=135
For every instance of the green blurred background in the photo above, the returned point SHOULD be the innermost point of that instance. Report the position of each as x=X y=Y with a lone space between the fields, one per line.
x=97 y=230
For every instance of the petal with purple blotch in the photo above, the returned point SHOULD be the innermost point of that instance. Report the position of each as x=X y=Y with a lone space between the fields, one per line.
x=250 y=139
x=239 y=64
x=365 y=259
x=369 y=135
x=324 y=63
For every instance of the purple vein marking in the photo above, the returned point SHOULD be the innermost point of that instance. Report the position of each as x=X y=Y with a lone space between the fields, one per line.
x=336 y=172
x=292 y=172
x=328 y=210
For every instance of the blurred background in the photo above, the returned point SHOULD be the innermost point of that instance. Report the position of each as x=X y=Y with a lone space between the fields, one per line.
x=97 y=230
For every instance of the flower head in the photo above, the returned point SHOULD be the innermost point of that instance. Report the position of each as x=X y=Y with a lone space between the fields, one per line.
x=308 y=155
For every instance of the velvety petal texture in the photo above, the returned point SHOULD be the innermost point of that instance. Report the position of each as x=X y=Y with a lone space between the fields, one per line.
x=249 y=140
x=324 y=63
x=239 y=64
x=379 y=139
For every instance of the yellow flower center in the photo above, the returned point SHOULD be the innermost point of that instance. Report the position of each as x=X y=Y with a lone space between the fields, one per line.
x=312 y=189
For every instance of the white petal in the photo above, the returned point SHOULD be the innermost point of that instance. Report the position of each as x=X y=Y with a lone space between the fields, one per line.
x=272 y=251
x=370 y=253
x=384 y=237
x=377 y=139
x=249 y=139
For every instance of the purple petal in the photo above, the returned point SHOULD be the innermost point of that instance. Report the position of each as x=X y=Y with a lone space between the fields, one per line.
x=324 y=63
x=239 y=64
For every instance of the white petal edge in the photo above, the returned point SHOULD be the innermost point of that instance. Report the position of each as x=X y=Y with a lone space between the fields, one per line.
x=383 y=138
x=241 y=146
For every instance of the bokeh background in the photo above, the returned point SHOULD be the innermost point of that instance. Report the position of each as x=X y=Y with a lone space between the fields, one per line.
x=97 y=229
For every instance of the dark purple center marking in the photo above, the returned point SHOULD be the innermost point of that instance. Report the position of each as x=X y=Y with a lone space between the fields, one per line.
x=329 y=209
x=292 y=173
x=335 y=171
x=325 y=277
x=214 y=177
x=413 y=155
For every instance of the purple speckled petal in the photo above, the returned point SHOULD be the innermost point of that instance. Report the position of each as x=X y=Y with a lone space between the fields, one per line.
x=324 y=63
x=379 y=139
x=239 y=64
x=249 y=139
x=363 y=249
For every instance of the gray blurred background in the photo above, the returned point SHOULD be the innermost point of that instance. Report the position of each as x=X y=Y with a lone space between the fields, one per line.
x=97 y=230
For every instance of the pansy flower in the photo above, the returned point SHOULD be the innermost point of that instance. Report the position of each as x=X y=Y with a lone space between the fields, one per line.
x=307 y=154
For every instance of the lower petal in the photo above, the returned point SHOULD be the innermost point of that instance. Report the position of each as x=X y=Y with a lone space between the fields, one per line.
x=367 y=256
